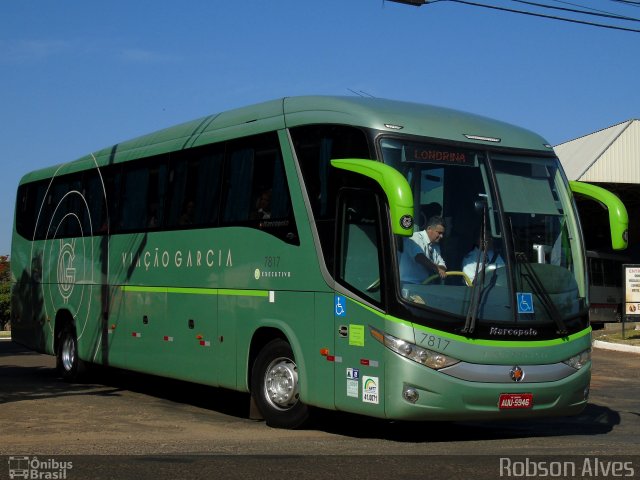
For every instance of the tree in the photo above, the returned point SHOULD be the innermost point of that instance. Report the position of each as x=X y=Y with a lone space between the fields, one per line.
x=5 y=291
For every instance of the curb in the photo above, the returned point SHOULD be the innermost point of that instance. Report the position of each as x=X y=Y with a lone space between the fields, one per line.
x=618 y=347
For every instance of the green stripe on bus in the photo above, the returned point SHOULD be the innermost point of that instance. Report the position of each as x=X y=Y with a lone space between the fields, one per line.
x=244 y=293
x=195 y=291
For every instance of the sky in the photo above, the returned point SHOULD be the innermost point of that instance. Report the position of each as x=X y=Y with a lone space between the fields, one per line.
x=77 y=76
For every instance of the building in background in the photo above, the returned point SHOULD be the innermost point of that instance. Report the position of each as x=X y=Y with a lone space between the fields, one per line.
x=609 y=158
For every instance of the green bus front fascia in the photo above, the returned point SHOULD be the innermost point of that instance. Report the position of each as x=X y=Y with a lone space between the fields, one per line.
x=443 y=397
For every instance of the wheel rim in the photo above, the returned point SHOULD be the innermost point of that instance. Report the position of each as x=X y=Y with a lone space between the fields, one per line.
x=68 y=354
x=281 y=383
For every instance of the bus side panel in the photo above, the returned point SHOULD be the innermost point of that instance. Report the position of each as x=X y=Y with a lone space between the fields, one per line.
x=189 y=344
x=144 y=315
x=114 y=352
x=321 y=379
x=228 y=316
x=173 y=334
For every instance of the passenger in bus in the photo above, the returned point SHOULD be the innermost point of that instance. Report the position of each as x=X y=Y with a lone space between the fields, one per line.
x=263 y=206
x=472 y=261
x=187 y=216
x=421 y=255
x=152 y=216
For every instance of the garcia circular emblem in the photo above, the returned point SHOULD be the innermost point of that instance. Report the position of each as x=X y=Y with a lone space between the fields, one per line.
x=516 y=374
x=406 y=222
x=66 y=269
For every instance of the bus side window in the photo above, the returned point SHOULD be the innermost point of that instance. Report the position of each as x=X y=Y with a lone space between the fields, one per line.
x=315 y=146
x=112 y=175
x=29 y=202
x=239 y=179
x=256 y=189
x=143 y=196
x=92 y=191
x=194 y=187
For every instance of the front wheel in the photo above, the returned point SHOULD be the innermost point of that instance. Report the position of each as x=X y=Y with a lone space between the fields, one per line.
x=275 y=387
x=68 y=363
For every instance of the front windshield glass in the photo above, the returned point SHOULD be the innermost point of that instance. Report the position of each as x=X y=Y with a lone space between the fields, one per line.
x=548 y=264
x=457 y=262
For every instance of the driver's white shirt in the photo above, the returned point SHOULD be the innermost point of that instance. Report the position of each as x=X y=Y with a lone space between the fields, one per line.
x=410 y=270
x=470 y=259
x=430 y=249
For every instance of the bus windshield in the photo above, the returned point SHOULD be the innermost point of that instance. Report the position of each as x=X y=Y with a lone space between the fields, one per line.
x=502 y=227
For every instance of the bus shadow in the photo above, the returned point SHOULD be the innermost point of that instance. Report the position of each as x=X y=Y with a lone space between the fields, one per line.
x=594 y=420
x=220 y=400
x=21 y=383
x=38 y=379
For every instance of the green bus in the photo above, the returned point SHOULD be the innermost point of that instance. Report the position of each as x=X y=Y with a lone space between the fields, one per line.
x=261 y=250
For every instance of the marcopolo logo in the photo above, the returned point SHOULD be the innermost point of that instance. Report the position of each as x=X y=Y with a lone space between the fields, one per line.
x=37 y=469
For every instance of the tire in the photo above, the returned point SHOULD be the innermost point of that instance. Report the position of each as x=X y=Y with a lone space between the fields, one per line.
x=68 y=363
x=274 y=386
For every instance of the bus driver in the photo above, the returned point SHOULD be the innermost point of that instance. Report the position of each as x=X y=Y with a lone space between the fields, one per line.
x=421 y=253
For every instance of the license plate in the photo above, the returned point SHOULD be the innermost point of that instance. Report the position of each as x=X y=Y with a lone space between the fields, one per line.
x=515 y=400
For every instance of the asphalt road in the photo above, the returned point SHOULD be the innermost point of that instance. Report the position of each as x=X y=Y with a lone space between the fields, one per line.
x=127 y=425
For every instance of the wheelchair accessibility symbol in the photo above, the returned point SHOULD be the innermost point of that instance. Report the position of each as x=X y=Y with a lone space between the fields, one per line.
x=340 y=306
x=525 y=302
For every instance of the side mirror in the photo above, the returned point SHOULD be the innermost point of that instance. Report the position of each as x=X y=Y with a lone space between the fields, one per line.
x=395 y=187
x=618 y=217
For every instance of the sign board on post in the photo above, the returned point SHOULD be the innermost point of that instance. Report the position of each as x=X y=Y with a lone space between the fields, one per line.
x=631 y=293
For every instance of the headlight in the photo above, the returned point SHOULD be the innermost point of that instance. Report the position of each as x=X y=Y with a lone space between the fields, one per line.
x=580 y=360
x=413 y=352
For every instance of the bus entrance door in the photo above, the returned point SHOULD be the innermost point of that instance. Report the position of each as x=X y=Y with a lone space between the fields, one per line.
x=359 y=369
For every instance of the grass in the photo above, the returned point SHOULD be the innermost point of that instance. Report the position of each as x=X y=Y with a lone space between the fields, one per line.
x=614 y=335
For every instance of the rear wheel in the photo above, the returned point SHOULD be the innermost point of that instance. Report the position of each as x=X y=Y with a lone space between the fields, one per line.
x=275 y=387
x=68 y=363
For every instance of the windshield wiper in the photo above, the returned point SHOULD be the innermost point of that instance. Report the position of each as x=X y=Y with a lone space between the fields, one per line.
x=476 y=294
x=538 y=288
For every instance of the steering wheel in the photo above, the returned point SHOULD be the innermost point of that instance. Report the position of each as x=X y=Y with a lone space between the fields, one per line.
x=452 y=273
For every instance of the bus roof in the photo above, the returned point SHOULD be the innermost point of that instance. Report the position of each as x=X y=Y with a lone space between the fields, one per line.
x=384 y=115
x=413 y=118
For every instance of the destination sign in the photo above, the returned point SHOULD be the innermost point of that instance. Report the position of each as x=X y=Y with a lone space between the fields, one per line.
x=439 y=155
